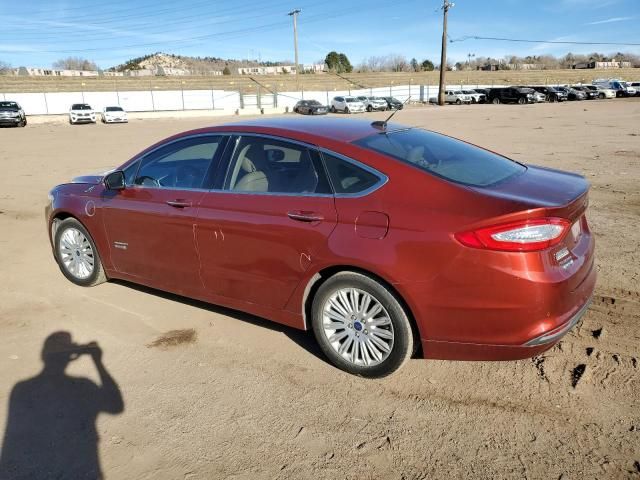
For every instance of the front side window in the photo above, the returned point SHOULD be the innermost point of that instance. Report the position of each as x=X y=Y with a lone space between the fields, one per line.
x=443 y=156
x=183 y=164
x=263 y=165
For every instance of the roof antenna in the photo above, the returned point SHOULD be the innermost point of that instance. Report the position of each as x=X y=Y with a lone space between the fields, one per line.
x=382 y=124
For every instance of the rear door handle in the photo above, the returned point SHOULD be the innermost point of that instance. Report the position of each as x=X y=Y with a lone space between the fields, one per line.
x=179 y=203
x=301 y=216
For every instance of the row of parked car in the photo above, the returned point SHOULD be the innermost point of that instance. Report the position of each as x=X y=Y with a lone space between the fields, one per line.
x=348 y=104
x=523 y=94
x=11 y=113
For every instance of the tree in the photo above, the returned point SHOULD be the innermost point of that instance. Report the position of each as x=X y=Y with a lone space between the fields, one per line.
x=226 y=71
x=338 y=62
x=5 y=68
x=427 y=65
x=74 y=63
x=414 y=65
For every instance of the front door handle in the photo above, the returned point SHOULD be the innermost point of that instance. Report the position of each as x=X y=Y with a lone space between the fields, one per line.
x=179 y=203
x=302 y=216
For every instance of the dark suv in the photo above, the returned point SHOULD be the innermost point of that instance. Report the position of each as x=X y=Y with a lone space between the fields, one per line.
x=518 y=95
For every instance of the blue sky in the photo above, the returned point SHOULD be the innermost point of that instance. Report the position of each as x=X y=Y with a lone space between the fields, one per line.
x=37 y=32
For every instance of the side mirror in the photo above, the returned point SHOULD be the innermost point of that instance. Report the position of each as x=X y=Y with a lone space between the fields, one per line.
x=115 y=180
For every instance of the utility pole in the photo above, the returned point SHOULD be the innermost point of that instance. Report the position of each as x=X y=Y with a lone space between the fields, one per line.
x=446 y=5
x=294 y=14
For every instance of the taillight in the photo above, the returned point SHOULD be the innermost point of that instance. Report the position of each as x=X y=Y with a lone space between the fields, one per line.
x=523 y=236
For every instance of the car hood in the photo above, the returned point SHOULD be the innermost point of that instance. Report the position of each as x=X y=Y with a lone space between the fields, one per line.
x=93 y=178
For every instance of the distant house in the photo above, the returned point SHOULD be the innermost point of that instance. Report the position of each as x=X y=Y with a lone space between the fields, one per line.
x=262 y=70
x=524 y=66
x=51 y=72
x=602 y=65
x=489 y=67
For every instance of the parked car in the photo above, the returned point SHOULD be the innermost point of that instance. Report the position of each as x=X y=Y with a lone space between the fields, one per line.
x=572 y=93
x=631 y=91
x=456 y=96
x=373 y=103
x=114 y=114
x=615 y=85
x=602 y=92
x=589 y=93
x=476 y=97
x=510 y=95
x=484 y=91
x=373 y=241
x=539 y=97
x=393 y=103
x=11 y=113
x=310 y=107
x=551 y=94
x=347 y=105
x=636 y=87
x=81 y=113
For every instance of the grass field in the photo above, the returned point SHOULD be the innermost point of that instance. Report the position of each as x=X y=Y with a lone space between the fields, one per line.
x=244 y=83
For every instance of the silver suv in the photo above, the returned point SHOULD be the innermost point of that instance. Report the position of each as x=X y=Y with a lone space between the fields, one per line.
x=373 y=103
x=11 y=113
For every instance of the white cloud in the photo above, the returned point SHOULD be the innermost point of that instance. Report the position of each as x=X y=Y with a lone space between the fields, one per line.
x=610 y=20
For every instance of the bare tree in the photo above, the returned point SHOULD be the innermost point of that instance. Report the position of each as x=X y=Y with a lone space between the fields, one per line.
x=5 y=68
x=74 y=63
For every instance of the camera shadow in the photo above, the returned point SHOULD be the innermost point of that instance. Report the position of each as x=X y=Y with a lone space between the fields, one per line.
x=51 y=425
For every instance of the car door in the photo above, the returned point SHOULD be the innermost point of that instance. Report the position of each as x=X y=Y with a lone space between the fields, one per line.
x=150 y=224
x=262 y=228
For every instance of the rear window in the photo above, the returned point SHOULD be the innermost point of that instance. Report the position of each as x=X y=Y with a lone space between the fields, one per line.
x=114 y=109
x=443 y=156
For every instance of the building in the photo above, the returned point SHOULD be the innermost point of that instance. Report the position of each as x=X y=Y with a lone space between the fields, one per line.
x=524 y=66
x=602 y=65
x=262 y=70
x=51 y=72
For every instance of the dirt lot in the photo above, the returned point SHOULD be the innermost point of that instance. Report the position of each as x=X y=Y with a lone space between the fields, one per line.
x=233 y=396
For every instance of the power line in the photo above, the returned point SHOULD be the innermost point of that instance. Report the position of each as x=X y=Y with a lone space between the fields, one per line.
x=561 y=42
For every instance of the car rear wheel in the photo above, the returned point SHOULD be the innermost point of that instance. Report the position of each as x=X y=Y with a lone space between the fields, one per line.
x=522 y=101
x=458 y=102
x=333 y=109
x=361 y=326
x=346 y=110
x=77 y=255
x=496 y=101
x=369 y=109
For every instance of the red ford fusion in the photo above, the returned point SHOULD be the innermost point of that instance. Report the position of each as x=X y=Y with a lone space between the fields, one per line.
x=384 y=240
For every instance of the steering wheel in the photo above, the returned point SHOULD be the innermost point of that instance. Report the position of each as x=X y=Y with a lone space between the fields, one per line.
x=147 y=181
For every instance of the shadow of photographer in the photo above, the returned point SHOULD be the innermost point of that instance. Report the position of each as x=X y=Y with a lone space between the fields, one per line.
x=51 y=425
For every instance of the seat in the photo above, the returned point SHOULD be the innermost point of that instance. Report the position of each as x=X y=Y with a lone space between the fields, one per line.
x=253 y=165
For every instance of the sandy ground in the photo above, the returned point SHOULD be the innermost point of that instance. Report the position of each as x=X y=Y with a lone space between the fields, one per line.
x=238 y=397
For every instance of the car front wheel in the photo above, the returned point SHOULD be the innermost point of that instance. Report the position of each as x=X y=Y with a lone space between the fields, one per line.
x=77 y=255
x=361 y=326
x=346 y=110
x=496 y=101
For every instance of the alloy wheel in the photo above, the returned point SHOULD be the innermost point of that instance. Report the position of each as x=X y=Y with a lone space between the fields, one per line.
x=358 y=327
x=76 y=253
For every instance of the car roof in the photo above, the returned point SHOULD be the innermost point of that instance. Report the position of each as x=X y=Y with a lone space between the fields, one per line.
x=303 y=129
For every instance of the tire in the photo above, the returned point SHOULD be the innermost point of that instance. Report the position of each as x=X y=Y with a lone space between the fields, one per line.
x=522 y=101
x=369 y=109
x=346 y=110
x=399 y=337
x=332 y=109
x=601 y=96
x=458 y=102
x=71 y=233
x=495 y=101
x=23 y=123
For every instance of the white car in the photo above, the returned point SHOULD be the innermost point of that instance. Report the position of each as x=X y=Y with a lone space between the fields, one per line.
x=347 y=105
x=81 y=113
x=373 y=103
x=114 y=115
x=476 y=97
x=603 y=92
x=539 y=97
x=456 y=96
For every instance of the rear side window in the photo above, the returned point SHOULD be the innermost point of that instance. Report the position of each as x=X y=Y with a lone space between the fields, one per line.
x=443 y=156
x=347 y=177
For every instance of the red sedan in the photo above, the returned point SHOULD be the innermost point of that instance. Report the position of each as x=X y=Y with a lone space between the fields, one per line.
x=380 y=238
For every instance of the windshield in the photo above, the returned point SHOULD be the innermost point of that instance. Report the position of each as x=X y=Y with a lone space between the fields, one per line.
x=351 y=99
x=9 y=106
x=80 y=106
x=443 y=156
x=314 y=103
x=114 y=109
